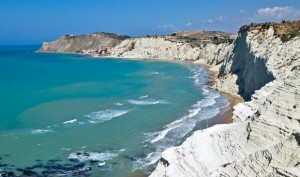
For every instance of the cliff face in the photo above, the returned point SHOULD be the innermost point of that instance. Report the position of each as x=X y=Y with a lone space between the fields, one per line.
x=98 y=43
x=262 y=52
x=170 y=48
x=264 y=139
x=209 y=47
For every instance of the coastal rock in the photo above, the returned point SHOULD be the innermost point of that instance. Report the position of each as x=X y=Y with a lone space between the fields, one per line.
x=207 y=47
x=170 y=48
x=264 y=139
x=96 y=43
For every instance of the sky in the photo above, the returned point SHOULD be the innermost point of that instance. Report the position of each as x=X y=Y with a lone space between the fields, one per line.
x=25 y=22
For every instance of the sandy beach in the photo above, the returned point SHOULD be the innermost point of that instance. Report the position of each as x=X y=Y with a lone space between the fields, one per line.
x=225 y=116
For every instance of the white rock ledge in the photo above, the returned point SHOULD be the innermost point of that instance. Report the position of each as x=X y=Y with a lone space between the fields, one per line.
x=265 y=138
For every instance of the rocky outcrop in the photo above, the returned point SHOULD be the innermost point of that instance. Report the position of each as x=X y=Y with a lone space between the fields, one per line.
x=96 y=43
x=264 y=139
x=172 y=48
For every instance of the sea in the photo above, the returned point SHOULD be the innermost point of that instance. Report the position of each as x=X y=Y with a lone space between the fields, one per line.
x=75 y=115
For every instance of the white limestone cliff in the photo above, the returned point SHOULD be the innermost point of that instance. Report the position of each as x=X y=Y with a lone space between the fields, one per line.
x=264 y=139
x=164 y=48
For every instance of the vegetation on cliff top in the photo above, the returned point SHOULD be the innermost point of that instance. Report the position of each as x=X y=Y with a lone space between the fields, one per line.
x=285 y=30
x=198 y=38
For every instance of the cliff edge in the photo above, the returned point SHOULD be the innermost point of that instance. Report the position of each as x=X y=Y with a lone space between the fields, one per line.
x=207 y=47
x=96 y=43
x=264 y=140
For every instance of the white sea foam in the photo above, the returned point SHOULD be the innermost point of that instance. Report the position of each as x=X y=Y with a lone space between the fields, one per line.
x=150 y=159
x=95 y=156
x=101 y=164
x=70 y=121
x=153 y=73
x=147 y=102
x=200 y=76
x=119 y=104
x=41 y=131
x=205 y=103
x=188 y=122
x=163 y=133
x=173 y=133
x=105 y=115
x=149 y=136
x=66 y=149
x=177 y=130
x=195 y=114
x=182 y=122
x=153 y=157
x=145 y=96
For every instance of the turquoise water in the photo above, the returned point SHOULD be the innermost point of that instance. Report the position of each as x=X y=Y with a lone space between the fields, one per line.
x=76 y=115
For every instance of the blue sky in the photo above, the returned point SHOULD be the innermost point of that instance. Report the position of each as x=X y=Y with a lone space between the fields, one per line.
x=33 y=21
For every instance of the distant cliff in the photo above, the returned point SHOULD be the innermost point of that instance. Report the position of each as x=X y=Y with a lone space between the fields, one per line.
x=97 y=43
x=201 y=46
x=164 y=48
x=209 y=47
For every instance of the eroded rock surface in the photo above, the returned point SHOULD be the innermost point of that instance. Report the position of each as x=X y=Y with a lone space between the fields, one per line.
x=264 y=138
x=170 y=48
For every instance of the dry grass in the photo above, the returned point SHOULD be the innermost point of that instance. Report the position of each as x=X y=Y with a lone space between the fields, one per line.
x=200 y=38
x=285 y=30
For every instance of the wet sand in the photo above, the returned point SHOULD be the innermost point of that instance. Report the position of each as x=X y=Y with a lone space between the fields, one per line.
x=225 y=116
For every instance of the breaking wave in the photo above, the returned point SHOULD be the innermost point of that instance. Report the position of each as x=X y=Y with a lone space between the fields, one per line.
x=41 y=131
x=105 y=115
x=91 y=156
x=147 y=102
x=173 y=133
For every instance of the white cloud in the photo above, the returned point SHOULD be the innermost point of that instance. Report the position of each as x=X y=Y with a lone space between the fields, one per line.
x=189 y=24
x=210 y=21
x=277 y=13
x=242 y=11
x=241 y=17
x=220 y=19
x=171 y=27
x=215 y=20
x=168 y=27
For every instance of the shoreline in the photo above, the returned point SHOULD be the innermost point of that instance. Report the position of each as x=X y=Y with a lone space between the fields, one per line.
x=223 y=117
